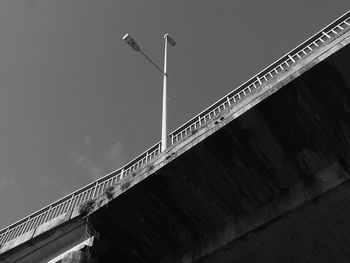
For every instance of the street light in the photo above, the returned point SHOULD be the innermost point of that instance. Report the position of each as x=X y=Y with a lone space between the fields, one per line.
x=135 y=46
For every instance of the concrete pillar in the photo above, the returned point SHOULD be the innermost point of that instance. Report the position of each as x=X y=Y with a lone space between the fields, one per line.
x=78 y=256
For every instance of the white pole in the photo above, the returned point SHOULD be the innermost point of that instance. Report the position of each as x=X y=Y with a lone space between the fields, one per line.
x=164 y=110
x=135 y=46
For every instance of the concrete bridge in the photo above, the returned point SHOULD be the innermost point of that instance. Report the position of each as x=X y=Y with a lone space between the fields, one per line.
x=262 y=175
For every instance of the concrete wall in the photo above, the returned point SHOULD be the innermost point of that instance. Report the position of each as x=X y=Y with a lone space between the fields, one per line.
x=317 y=232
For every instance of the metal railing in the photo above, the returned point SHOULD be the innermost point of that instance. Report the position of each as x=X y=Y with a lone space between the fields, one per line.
x=75 y=199
x=281 y=65
x=97 y=187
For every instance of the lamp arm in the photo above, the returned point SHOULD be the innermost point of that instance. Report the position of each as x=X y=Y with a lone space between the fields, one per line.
x=161 y=71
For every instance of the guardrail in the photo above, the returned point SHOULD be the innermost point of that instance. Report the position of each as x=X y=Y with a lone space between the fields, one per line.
x=73 y=200
x=282 y=64
x=97 y=187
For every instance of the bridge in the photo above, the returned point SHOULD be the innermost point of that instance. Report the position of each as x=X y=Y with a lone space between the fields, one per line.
x=260 y=175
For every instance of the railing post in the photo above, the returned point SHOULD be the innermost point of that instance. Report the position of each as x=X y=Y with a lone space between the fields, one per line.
x=48 y=212
x=228 y=100
x=324 y=33
x=27 y=223
x=291 y=58
x=7 y=234
x=71 y=202
x=259 y=80
x=122 y=173
x=4 y=235
x=95 y=187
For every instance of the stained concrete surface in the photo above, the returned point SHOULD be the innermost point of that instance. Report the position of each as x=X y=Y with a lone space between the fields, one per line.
x=317 y=232
x=215 y=199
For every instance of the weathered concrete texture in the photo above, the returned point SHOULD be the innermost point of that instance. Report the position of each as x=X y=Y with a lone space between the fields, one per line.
x=45 y=242
x=215 y=198
x=318 y=232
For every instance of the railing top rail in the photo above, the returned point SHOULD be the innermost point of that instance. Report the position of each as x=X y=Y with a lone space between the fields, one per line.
x=263 y=72
x=139 y=157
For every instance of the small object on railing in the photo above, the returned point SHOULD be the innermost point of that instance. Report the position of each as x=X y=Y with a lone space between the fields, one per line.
x=109 y=192
x=86 y=207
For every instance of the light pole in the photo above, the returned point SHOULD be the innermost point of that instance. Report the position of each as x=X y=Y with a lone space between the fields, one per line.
x=135 y=46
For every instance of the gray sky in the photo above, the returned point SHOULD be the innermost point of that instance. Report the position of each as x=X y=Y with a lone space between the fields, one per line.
x=76 y=102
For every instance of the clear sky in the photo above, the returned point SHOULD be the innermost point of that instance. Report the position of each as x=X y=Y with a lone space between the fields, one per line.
x=76 y=102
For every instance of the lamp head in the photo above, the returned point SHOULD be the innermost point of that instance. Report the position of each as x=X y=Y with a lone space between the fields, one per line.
x=170 y=40
x=131 y=42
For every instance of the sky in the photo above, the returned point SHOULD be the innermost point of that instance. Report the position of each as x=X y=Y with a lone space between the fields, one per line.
x=77 y=103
